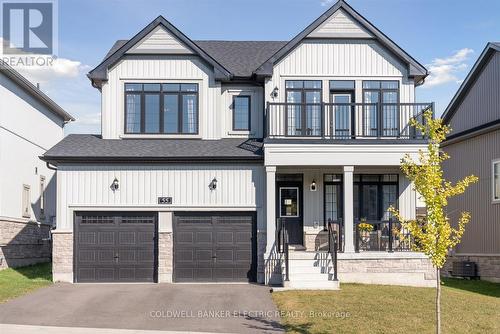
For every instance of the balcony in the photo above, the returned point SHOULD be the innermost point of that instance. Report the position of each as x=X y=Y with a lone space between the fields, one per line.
x=345 y=121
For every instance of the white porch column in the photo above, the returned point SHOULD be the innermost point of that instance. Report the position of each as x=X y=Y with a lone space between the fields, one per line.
x=270 y=207
x=348 y=209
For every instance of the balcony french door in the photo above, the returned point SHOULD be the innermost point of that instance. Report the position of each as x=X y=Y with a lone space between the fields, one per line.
x=381 y=120
x=304 y=109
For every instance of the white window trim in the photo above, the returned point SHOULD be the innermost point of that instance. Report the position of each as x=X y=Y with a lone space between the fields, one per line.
x=26 y=201
x=493 y=199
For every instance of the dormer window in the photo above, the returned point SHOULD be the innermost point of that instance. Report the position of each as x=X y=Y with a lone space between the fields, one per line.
x=154 y=108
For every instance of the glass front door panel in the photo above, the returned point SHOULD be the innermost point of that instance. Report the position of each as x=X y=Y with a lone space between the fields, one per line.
x=289 y=202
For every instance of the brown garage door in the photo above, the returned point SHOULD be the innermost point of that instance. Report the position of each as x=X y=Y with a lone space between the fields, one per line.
x=215 y=247
x=115 y=247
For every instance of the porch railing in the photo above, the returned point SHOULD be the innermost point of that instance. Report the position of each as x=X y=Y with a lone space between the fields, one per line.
x=282 y=245
x=344 y=120
x=333 y=248
x=389 y=236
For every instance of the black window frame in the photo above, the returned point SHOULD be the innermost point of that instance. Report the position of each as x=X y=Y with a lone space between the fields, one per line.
x=340 y=204
x=380 y=90
x=303 y=104
x=161 y=93
x=380 y=200
x=249 y=118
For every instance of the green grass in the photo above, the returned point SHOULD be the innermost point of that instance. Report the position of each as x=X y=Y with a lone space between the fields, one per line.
x=467 y=307
x=15 y=282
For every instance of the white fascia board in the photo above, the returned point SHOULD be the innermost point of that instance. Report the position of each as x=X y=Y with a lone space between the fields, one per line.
x=339 y=155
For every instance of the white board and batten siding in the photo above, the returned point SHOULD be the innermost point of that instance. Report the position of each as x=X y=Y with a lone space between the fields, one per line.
x=160 y=69
x=88 y=188
x=340 y=59
x=340 y=24
x=256 y=110
x=170 y=61
x=159 y=41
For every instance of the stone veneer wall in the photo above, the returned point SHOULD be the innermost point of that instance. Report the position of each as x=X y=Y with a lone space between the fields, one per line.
x=62 y=256
x=23 y=243
x=261 y=248
x=165 y=257
x=391 y=270
x=316 y=240
x=488 y=266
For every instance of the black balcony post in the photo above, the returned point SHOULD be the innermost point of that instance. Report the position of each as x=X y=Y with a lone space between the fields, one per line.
x=390 y=235
x=379 y=119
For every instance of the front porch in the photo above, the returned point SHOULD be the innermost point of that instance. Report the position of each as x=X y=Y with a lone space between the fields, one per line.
x=307 y=205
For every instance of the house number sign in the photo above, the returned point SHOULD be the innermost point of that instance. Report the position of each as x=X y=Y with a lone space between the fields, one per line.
x=164 y=200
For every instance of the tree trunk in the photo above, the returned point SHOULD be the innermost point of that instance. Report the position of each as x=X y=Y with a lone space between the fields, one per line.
x=438 y=301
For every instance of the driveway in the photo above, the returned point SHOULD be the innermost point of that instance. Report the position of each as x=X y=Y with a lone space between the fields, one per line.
x=221 y=308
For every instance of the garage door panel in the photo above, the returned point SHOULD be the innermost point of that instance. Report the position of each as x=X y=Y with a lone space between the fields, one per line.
x=106 y=238
x=87 y=255
x=106 y=256
x=214 y=247
x=87 y=238
x=115 y=247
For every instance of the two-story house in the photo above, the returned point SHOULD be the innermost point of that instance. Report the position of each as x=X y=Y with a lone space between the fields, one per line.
x=30 y=124
x=212 y=151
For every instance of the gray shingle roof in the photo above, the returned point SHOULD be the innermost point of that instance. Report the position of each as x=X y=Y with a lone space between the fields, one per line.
x=77 y=147
x=241 y=58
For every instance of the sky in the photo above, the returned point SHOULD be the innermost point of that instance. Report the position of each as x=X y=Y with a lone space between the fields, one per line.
x=447 y=36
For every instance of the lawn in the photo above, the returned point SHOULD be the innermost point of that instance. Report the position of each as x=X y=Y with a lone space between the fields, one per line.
x=15 y=282
x=467 y=307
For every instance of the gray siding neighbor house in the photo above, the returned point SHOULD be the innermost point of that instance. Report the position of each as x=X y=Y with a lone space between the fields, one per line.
x=474 y=147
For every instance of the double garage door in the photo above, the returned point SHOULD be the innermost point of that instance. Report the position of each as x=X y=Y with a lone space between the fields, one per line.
x=122 y=247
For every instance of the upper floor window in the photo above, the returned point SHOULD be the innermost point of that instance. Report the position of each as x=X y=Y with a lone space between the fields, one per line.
x=386 y=118
x=303 y=112
x=155 y=108
x=241 y=113
x=496 y=180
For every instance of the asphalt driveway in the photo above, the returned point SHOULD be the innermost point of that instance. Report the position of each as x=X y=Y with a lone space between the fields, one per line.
x=222 y=308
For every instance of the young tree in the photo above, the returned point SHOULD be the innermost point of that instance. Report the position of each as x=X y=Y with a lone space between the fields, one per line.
x=434 y=235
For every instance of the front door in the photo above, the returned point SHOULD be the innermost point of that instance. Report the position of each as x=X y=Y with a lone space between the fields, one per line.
x=289 y=209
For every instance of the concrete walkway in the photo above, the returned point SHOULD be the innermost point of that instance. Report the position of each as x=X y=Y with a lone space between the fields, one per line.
x=217 y=308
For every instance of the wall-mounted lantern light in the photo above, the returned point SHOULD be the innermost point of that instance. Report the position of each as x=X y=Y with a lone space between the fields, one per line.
x=115 y=185
x=213 y=184
x=274 y=93
x=313 y=185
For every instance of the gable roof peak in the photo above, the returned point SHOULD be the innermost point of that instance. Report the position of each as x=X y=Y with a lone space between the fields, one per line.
x=415 y=69
x=100 y=72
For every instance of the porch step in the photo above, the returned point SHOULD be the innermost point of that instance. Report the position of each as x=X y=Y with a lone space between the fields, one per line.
x=309 y=269
x=309 y=276
x=308 y=255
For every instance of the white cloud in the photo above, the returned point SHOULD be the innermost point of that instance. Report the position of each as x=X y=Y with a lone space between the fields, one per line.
x=327 y=2
x=445 y=70
x=61 y=68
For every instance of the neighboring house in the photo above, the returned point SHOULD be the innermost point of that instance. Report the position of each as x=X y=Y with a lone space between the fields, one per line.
x=30 y=123
x=474 y=147
x=206 y=145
